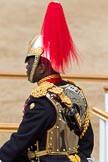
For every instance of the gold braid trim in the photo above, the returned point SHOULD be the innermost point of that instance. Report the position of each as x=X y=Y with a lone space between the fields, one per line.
x=45 y=87
x=34 y=51
x=59 y=92
x=86 y=124
x=74 y=158
x=77 y=115
x=35 y=64
x=42 y=89
x=47 y=78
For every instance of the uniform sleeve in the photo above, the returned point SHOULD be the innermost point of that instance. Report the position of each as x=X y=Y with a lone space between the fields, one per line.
x=39 y=116
x=86 y=143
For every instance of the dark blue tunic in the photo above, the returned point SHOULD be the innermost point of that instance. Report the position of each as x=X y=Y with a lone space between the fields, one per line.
x=33 y=127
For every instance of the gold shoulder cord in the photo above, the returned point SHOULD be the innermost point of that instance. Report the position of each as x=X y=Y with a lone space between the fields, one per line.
x=86 y=124
x=45 y=87
x=42 y=89
x=59 y=92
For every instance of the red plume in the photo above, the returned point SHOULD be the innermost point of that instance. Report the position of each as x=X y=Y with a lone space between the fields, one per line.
x=57 y=35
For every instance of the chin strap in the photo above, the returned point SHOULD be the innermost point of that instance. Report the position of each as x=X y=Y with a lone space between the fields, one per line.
x=35 y=64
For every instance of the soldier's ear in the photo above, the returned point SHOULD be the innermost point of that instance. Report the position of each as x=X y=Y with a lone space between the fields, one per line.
x=42 y=68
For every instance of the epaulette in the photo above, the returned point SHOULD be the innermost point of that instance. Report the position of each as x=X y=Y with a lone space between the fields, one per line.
x=42 y=89
x=46 y=87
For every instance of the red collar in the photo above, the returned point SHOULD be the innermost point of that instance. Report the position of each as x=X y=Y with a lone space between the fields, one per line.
x=55 y=78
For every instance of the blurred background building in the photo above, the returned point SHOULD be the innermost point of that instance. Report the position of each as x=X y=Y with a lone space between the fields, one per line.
x=21 y=20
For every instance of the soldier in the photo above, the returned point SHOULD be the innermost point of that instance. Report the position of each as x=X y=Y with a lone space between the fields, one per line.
x=56 y=126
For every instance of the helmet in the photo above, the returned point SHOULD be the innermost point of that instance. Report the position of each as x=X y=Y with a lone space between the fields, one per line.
x=54 y=42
